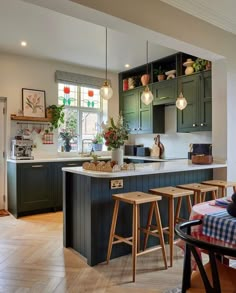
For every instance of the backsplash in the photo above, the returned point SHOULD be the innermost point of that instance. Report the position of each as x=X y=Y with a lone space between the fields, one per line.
x=176 y=144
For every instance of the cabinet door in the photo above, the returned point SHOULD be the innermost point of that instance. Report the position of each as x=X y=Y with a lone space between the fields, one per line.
x=35 y=186
x=165 y=92
x=130 y=109
x=205 y=118
x=145 y=115
x=57 y=173
x=187 y=119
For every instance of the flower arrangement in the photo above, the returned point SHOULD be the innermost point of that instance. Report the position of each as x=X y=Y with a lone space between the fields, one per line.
x=115 y=133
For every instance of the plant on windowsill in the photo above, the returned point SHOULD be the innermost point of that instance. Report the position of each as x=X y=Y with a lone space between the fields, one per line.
x=69 y=133
x=199 y=64
x=97 y=142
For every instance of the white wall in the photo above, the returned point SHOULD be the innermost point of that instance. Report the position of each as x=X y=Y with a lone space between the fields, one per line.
x=23 y=72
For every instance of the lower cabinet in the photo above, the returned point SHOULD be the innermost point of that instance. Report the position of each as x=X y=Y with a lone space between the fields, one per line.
x=57 y=186
x=35 y=187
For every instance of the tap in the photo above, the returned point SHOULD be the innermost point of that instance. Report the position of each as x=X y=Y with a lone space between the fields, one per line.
x=86 y=141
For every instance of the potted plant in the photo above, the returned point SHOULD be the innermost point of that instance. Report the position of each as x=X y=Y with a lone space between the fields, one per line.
x=199 y=64
x=160 y=73
x=69 y=132
x=57 y=116
x=97 y=142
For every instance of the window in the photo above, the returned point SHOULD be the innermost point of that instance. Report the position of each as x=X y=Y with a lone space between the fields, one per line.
x=84 y=113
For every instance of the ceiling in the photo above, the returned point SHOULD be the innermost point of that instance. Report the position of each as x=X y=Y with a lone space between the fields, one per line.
x=57 y=36
x=217 y=12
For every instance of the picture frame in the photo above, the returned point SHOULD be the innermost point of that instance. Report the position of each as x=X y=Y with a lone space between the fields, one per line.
x=33 y=103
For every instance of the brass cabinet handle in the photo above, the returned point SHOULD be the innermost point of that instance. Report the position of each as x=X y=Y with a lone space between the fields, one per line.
x=37 y=166
x=71 y=164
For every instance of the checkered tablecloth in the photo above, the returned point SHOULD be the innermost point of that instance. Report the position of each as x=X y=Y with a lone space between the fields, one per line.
x=221 y=226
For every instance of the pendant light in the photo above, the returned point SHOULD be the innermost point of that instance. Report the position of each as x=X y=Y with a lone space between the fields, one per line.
x=147 y=96
x=106 y=91
x=181 y=102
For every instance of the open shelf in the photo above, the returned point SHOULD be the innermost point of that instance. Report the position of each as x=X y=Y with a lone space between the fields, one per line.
x=32 y=119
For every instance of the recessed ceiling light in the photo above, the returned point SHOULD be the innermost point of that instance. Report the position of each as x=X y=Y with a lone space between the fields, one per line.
x=23 y=44
x=127 y=65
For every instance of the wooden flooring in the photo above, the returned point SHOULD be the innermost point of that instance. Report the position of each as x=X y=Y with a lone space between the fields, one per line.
x=32 y=259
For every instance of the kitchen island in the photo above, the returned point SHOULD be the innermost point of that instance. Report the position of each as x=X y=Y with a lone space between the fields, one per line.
x=88 y=204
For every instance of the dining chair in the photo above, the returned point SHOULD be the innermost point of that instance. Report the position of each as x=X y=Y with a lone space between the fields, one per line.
x=211 y=277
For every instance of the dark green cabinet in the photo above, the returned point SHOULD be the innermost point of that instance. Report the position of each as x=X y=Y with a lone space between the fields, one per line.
x=29 y=187
x=165 y=92
x=197 y=116
x=136 y=113
x=35 y=187
x=57 y=186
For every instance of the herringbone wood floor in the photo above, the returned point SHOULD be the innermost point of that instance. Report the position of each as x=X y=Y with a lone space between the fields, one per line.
x=32 y=259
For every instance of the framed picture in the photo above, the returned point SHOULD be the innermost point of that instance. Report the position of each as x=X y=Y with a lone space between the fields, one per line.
x=33 y=102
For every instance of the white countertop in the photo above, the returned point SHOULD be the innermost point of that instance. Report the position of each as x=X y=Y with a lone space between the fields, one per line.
x=147 y=169
x=80 y=158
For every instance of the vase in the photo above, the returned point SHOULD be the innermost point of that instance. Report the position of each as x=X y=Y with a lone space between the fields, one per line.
x=67 y=146
x=145 y=79
x=117 y=155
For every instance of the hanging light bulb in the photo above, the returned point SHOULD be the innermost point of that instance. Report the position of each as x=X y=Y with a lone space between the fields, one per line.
x=106 y=91
x=181 y=102
x=147 y=96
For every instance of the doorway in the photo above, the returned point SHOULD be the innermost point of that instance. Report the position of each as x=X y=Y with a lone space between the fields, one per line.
x=3 y=103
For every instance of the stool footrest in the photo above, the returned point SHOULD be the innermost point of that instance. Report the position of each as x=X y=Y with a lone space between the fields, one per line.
x=154 y=248
x=154 y=233
x=122 y=239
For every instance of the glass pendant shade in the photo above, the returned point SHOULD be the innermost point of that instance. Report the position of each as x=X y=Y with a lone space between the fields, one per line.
x=106 y=91
x=181 y=102
x=147 y=96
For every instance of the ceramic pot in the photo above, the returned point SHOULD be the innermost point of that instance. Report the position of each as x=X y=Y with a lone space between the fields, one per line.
x=145 y=79
x=160 y=77
x=118 y=156
x=97 y=146
x=189 y=70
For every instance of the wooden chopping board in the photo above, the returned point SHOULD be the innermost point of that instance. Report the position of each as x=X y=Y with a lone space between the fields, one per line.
x=158 y=148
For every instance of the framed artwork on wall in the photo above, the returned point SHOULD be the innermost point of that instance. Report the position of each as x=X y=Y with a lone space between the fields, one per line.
x=33 y=102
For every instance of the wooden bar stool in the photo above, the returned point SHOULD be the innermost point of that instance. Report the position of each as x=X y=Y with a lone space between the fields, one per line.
x=200 y=191
x=222 y=185
x=171 y=193
x=136 y=199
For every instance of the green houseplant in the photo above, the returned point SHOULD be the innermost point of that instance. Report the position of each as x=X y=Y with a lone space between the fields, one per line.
x=57 y=114
x=160 y=73
x=199 y=64
x=68 y=132
x=97 y=142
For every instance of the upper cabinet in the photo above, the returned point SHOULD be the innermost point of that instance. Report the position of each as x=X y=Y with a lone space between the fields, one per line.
x=196 y=87
x=197 y=116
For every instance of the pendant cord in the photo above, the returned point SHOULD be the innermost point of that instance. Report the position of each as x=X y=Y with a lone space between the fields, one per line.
x=106 y=54
x=147 y=55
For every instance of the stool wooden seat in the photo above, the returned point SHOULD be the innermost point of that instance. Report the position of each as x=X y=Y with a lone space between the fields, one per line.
x=136 y=199
x=200 y=191
x=222 y=185
x=171 y=193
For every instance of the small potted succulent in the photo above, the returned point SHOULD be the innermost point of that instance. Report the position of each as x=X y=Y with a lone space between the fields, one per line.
x=97 y=142
x=160 y=73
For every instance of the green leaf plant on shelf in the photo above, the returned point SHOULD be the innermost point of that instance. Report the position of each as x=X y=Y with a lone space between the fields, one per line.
x=160 y=73
x=56 y=114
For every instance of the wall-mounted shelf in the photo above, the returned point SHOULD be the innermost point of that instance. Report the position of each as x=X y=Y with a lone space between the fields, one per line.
x=30 y=119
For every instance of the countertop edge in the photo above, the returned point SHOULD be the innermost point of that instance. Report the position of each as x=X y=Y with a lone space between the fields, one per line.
x=146 y=169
